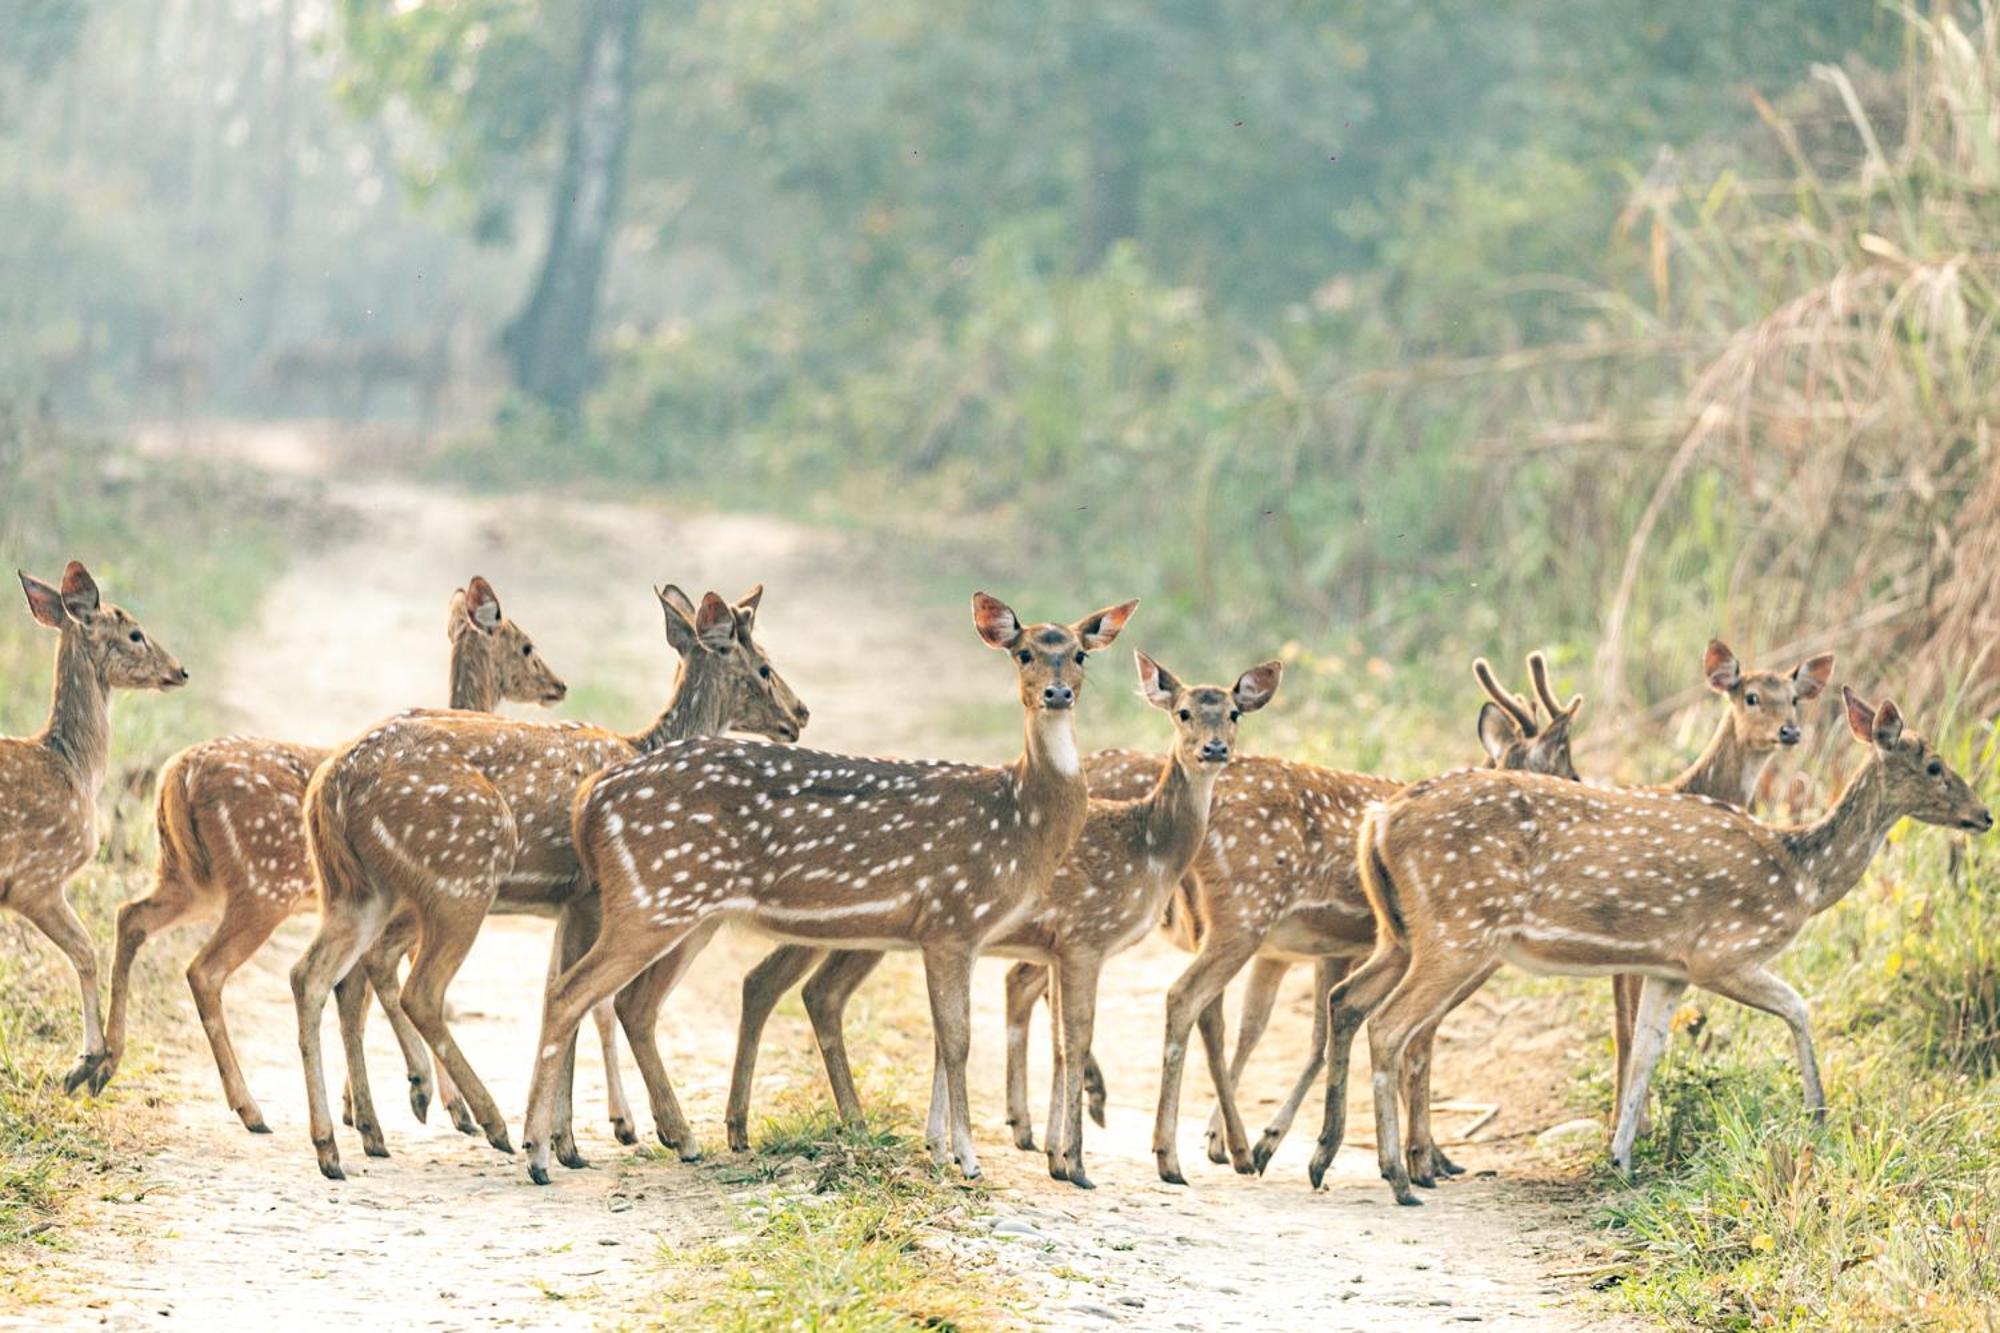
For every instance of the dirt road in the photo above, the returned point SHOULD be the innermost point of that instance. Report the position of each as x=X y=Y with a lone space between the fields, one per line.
x=235 y=1229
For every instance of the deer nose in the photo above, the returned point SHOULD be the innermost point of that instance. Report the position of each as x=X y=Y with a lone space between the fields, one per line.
x=181 y=674
x=1981 y=822
x=805 y=716
x=1058 y=695
x=1788 y=735
x=1214 y=752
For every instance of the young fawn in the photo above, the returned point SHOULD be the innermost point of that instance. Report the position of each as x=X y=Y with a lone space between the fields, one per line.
x=444 y=816
x=49 y=781
x=1472 y=870
x=832 y=850
x=1763 y=715
x=1106 y=896
x=233 y=845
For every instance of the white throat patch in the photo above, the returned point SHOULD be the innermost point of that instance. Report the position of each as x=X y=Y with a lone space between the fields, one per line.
x=1059 y=743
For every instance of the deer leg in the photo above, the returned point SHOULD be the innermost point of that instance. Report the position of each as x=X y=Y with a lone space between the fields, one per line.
x=1223 y=954
x=1419 y=999
x=445 y=933
x=775 y=974
x=1076 y=986
x=606 y=969
x=1657 y=999
x=1059 y=1058
x=1349 y=1005
x=1093 y=1087
x=350 y=999
x=1427 y=1161
x=574 y=934
x=1625 y=1007
x=1765 y=990
x=46 y=906
x=381 y=963
x=826 y=995
x=1026 y=984
x=936 y=1133
x=346 y=927
x=639 y=1010
x=948 y=977
x=623 y=1127
x=172 y=901
x=1260 y=996
x=1214 y=1040
x=247 y=921
x=1327 y=973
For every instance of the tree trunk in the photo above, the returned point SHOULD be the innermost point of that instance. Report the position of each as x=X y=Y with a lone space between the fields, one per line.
x=548 y=344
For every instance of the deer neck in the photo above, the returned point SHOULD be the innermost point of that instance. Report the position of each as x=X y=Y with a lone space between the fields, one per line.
x=79 y=726
x=473 y=683
x=1176 y=813
x=695 y=709
x=1049 y=776
x=1725 y=771
x=1835 y=849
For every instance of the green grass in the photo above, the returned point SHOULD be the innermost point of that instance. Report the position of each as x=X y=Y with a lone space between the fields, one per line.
x=1746 y=1214
x=189 y=550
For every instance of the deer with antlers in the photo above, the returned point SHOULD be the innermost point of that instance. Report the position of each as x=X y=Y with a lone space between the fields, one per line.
x=446 y=816
x=50 y=781
x=833 y=850
x=233 y=846
x=1107 y=895
x=1762 y=717
x=1472 y=870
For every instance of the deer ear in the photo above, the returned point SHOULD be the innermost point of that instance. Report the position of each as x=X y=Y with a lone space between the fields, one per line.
x=1497 y=731
x=1099 y=628
x=995 y=621
x=1156 y=683
x=1720 y=666
x=1257 y=686
x=1888 y=725
x=1860 y=717
x=679 y=614
x=747 y=604
x=79 y=591
x=1811 y=676
x=44 y=602
x=714 y=622
x=482 y=605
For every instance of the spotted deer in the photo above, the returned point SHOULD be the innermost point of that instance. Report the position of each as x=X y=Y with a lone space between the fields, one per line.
x=1762 y=717
x=832 y=850
x=445 y=816
x=233 y=846
x=1471 y=870
x=1106 y=896
x=49 y=781
x=1513 y=737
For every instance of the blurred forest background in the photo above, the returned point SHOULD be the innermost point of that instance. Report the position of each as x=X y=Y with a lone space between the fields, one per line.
x=1383 y=327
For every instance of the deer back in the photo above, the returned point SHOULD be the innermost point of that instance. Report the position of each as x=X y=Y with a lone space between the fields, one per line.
x=229 y=812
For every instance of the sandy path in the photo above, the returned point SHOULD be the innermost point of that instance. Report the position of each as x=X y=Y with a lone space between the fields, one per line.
x=236 y=1229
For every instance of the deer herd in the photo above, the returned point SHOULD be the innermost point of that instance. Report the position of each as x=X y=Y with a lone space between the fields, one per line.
x=1405 y=898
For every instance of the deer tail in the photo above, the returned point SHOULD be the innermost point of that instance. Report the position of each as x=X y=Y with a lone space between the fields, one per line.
x=181 y=850
x=338 y=872
x=1376 y=881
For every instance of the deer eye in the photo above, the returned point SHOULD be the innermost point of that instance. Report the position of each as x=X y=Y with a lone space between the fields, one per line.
x=1186 y=716
x=527 y=650
x=1934 y=768
x=136 y=636
x=1751 y=698
x=1080 y=655
x=765 y=671
x=1025 y=655
x=1235 y=716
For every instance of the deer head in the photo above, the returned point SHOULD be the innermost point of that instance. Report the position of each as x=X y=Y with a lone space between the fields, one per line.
x=1049 y=657
x=718 y=646
x=1511 y=733
x=502 y=649
x=1916 y=781
x=108 y=636
x=1764 y=705
x=1205 y=716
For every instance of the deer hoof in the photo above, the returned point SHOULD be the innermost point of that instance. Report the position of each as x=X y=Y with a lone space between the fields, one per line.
x=499 y=1139
x=571 y=1158
x=538 y=1173
x=83 y=1073
x=1024 y=1139
x=623 y=1131
x=1322 y=1158
x=255 y=1124
x=1170 y=1167
x=1408 y=1199
x=1079 y=1179
x=420 y=1098
x=329 y=1160
x=461 y=1116
x=1266 y=1149
x=1217 y=1151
